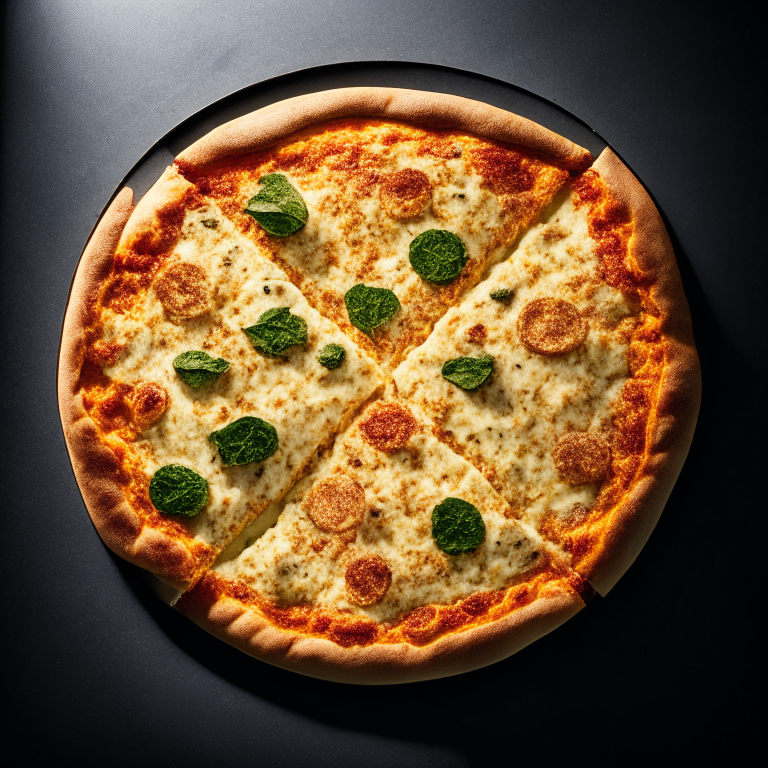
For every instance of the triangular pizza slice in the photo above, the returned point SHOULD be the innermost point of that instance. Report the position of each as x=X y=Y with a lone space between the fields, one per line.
x=205 y=383
x=385 y=562
x=562 y=376
x=383 y=225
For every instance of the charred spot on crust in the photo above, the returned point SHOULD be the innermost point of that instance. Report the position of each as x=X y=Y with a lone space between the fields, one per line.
x=477 y=334
x=406 y=193
x=581 y=457
x=551 y=326
x=149 y=401
x=368 y=578
x=389 y=427
x=183 y=290
x=105 y=352
x=336 y=504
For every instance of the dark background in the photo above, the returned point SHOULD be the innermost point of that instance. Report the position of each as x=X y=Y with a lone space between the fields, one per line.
x=663 y=669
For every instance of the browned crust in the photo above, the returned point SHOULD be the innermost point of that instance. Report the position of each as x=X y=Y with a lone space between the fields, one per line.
x=673 y=420
x=96 y=467
x=266 y=126
x=380 y=664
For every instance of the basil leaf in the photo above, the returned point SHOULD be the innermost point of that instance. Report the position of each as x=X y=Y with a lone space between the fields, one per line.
x=198 y=369
x=177 y=490
x=369 y=308
x=278 y=206
x=276 y=330
x=331 y=356
x=468 y=372
x=438 y=256
x=503 y=294
x=457 y=526
x=245 y=440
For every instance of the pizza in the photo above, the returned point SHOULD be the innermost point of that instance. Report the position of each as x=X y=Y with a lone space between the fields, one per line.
x=384 y=384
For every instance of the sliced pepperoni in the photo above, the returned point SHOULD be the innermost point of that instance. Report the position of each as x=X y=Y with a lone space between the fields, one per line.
x=551 y=326
x=405 y=194
x=389 y=427
x=183 y=290
x=336 y=504
x=582 y=457
x=149 y=402
x=368 y=578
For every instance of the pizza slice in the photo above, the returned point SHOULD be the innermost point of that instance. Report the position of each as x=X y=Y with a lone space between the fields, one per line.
x=382 y=225
x=199 y=382
x=393 y=560
x=569 y=377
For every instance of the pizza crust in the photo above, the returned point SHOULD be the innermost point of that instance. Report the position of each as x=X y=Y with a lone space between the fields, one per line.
x=674 y=419
x=264 y=127
x=384 y=664
x=95 y=466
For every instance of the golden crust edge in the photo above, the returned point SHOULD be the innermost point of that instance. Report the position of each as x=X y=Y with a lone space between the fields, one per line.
x=462 y=651
x=94 y=465
x=264 y=127
x=679 y=397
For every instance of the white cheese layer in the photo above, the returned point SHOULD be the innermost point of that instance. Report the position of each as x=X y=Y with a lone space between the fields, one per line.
x=296 y=562
x=509 y=425
x=305 y=402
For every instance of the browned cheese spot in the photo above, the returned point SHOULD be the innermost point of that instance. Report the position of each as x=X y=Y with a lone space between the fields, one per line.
x=581 y=457
x=105 y=352
x=149 y=403
x=183 y=290
x=368 y=579
x=389 y=427
x=405 y=194
x=336 y=504
x=551 y=326
x=477 y=334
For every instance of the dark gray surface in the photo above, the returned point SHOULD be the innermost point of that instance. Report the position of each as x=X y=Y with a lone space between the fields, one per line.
x=96 y=669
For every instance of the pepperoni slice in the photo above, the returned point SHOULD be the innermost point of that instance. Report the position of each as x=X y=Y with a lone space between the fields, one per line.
x=368 y=578
x=581 y=457
x=551 y=326
x=150 y=402
x=389 y=427
x=336 y=504
x=183 y=290
x=405 y=194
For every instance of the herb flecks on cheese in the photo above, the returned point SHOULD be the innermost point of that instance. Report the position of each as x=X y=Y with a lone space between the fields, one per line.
x=305 y=405
x=579 y=329
x=382 y=560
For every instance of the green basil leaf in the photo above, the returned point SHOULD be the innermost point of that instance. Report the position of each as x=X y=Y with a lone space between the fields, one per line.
x=468 y=372
x=438 y=256
x=245 y=440
x=369 y=308
x=276 y=330
x=198 y=369
x=503 y=294
x=278 y=206
x=331 y=356
x=457 y=526
x=177 y=490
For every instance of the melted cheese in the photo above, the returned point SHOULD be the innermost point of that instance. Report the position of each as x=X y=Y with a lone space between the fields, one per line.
x=305 y=402
x=295 y=562
x=350 y=237
x=509 y=426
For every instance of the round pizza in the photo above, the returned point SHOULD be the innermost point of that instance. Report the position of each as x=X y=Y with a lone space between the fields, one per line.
x=385 y=384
